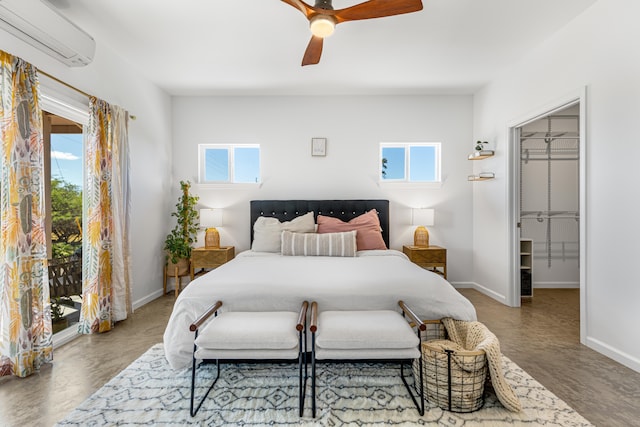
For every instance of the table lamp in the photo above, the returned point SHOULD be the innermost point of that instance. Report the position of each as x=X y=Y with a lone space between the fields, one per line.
x=209 y=220
x=422 y=217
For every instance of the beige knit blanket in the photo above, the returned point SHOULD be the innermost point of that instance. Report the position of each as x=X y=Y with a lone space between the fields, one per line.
x=476 y=336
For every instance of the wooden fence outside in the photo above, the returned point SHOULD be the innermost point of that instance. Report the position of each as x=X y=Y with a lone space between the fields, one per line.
x=65 y=277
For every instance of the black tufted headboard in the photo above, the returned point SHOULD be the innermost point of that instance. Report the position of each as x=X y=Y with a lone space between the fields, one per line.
x=345 y=210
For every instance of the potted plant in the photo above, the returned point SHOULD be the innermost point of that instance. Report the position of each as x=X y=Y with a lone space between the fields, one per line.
x=58 y=321
x=178 y=242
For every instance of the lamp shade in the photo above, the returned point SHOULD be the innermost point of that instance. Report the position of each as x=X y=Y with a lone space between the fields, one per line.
x=210 y=218
x=423 y=216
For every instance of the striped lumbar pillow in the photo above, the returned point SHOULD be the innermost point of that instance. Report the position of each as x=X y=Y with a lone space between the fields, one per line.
x=312 y=244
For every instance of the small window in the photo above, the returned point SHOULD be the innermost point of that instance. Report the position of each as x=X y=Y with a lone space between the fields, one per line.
x=410 y=162
x=229 y=163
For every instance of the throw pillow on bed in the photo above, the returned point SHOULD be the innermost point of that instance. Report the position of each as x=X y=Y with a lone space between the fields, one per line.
x=312 y=244
x=267 y=231
x=367 y=225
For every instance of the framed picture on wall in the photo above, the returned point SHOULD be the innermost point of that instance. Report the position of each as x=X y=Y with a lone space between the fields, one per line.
x=318 y=146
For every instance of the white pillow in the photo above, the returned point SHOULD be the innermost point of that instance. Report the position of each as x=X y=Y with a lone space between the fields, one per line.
x=267 y=231
x=312 y=244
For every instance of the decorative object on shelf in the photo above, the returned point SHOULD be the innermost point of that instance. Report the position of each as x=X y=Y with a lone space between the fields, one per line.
x=318 y=146
x=178 y=242
x=480 y=152
x=482 y=176
x=210 y=219
x=479 y=155
x=422 y=217
x=479 y=146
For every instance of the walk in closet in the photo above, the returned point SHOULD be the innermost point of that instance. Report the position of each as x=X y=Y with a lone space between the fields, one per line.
x=549 y=200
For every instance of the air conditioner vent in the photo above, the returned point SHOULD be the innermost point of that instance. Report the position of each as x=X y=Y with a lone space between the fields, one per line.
x=42 y=26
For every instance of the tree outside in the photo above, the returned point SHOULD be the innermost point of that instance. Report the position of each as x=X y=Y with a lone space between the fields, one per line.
x=66 y=218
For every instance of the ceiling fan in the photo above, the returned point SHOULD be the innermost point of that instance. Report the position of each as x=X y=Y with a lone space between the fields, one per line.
x=323 y=18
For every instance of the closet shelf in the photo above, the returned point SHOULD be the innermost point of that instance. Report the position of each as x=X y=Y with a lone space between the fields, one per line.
x=480 y=155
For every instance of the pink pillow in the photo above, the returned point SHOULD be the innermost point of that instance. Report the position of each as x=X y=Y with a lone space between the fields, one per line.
x=367 y=226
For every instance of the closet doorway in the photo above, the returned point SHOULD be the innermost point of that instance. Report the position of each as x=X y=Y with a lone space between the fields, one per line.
x=548 y=192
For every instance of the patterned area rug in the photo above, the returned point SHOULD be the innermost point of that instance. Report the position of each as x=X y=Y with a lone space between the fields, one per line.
x=150 y=392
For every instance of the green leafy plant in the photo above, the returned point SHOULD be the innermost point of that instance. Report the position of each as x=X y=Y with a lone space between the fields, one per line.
x=66 y=218
x=184 y=234
x=57 y=312
x=479 y=146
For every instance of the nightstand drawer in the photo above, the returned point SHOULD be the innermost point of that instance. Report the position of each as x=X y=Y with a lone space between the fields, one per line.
x=209 y=258
x=431 y=257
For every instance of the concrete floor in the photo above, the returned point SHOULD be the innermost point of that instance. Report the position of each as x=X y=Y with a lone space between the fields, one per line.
x=542 y=337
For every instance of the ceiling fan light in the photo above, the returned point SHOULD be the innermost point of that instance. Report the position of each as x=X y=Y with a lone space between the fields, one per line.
x=322 y=25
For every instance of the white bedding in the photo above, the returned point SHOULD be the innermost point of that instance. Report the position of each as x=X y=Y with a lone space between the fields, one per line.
x=258 y=281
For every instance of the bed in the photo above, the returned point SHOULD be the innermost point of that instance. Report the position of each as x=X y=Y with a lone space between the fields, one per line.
x=256 y=280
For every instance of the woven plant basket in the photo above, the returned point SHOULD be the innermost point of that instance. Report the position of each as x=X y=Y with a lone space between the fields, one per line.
x=454 y=378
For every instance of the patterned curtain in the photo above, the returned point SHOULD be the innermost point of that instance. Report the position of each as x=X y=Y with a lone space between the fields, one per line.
x=105 y=253
x=25 y=316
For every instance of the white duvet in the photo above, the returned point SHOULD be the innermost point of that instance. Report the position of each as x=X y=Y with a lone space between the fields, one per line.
x=258 y=281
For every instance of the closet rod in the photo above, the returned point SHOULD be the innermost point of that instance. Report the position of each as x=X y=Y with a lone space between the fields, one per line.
x=524 y=138
x=549 y=213
x=81 y=92
x=564 y=116
x=531 y=159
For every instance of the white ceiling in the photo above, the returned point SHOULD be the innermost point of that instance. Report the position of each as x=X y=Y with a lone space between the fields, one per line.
x=234 y=47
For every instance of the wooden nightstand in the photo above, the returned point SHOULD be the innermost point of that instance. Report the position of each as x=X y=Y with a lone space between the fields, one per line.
x=432 y=257
x=210 y=258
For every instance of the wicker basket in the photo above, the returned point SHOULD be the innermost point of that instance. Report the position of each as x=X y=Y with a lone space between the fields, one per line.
x=454 y=380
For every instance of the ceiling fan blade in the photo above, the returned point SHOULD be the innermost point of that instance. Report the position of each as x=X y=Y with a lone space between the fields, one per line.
x=301 y=6
x=313 y=52
x=376 y=9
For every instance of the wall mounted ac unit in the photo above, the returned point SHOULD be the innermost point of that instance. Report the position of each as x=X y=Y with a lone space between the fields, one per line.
x=38 y=23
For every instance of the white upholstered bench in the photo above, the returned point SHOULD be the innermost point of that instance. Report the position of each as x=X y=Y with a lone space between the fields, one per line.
x=366 y=335
x=269 y=335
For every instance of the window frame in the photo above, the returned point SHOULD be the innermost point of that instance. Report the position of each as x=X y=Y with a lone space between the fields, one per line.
x=407 y=162
x=231 y=163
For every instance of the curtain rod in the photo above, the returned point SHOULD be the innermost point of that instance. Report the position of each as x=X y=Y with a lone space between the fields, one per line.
x=81 y=92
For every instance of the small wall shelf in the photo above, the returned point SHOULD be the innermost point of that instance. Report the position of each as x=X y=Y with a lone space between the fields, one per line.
x=479 y=155
x=483 y=176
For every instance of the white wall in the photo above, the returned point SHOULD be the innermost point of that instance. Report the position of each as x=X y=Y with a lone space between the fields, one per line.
x=115 y=81
x=599 y=50
x=354 y=126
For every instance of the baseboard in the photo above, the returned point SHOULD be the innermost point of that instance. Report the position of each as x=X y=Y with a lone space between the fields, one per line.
x=147 y=299
x=488 y=292
x=556 y=285
x=464 y=285
x=619 y=356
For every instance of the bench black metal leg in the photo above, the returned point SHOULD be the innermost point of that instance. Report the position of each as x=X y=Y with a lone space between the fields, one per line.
x=193 y=382
x=302 y=382
x=419 y=406
x=313 y=375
